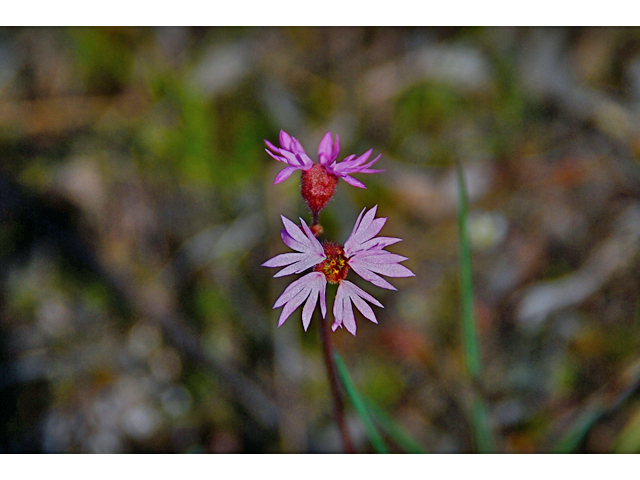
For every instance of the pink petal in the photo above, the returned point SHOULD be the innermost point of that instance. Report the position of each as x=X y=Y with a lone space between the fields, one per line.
x=352 y=181
x=336 y=148
x=369 y=276
x=307 y=261
x=344 y=312
x=389 y=270
x=308 y=309
x=292 y=304
x=355 y=290
x=293 y=289
x=363 y=168
x=285 y=140
x=294 y=231
x=271 y=146
x=379 y=257
x=325 y=149
x=371 y=230
x=364 y=308
x=284 y=174
x=314 y=244
x=307 y=287
x=297 y=147
x=283 y=259
x=379 y=243
x=290 y=242
x=358 y=221
x=323 y=296
x=276 y=157
x=364 y=230
x=295 y=160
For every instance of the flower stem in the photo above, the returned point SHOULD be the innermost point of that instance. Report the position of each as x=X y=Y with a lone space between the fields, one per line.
x=336 y=393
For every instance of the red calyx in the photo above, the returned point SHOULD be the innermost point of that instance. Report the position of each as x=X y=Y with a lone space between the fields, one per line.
x=317 y=188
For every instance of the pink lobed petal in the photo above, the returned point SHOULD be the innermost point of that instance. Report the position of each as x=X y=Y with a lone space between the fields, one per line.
x=371 y=231
x=308 y=287
x=283 y=259
x=364 y=230
x=308 y=309
x=277 y=157
x=297 y=147
x=369 y=276
x=307 y=261
x=353 y=182
x=355 y=294
x=271 y=146
x=292 y=305
x=323 y=297
x=325 y=150
x=335 y=151
x=343 y=311
x=294 y=231
x=296 y=160
x=314 y=243
x=290 y=242
x=364 y=168
x=379 y=257
x=285 y=140
x=293 y=289
x=357 y=224
x=389 y=270
x=284 y=174
x=355 y=290
x=378 y=243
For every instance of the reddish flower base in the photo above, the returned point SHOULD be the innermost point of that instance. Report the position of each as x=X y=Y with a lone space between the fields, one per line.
x=317 y=188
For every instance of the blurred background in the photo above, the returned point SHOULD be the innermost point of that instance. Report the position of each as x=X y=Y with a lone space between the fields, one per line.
x=137 y=204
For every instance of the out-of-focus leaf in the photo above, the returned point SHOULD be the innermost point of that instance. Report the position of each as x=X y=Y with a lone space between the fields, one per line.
x=629 y=439
x=484 y=440
x=394 y=430
x=603 y=402
x=360 y=407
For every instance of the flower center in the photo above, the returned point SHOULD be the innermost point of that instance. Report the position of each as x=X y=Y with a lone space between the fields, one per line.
x=335 y=267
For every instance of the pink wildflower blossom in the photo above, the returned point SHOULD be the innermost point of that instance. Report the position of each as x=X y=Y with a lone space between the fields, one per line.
x=319 y=179
x=363 y=252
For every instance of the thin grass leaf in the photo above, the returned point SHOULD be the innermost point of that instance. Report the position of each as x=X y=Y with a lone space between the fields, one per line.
x=484 y=440
x=359 y=405
x=629 y=439
x=395 y=431
x=578 y=430
x=603 y=402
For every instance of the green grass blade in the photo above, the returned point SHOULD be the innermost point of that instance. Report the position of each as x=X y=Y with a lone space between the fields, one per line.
x=470 y=344
x=574 y=435
x=395 y=431
x=629 y=439
x=358 y=404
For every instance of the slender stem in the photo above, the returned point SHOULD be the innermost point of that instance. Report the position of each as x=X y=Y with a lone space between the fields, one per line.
x=336 y=393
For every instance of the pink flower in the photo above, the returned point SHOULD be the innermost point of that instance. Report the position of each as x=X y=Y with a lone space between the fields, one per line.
x=363 y=252
x=292 y=153
x=319 y=179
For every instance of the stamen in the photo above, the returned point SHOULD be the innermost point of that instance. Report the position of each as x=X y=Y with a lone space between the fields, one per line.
x=335 y=267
